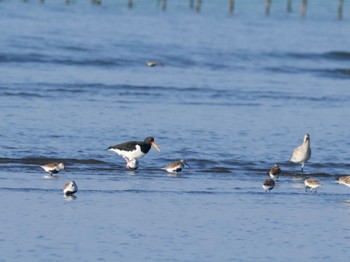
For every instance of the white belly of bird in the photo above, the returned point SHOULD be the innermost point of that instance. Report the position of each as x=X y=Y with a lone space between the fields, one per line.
x=132 y=164
x=312 y=186
x=48 y=169
x=274 y=176
x=135 y=154
x=174 y=169
x=301 y=155
x=344 y=183
x=267 y=187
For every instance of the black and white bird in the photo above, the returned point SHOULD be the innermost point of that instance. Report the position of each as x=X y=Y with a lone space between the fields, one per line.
x=302 y=153
x=268 y=184
x=70 y=188
x=311 y=184
x=176 y=166
x=134 y=149
x=275 y=172
x=53 y=168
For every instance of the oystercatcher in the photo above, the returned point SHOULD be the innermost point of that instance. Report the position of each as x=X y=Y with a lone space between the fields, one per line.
x=176 y=166
x=134 y=149
x=302 y=153
x=53 y=168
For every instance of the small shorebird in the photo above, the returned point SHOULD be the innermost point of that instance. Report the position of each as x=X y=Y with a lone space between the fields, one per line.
x=134 y=149
x=345 y=180
x=70 y=188
x=268 y=184
x=176 y=166
x=302 y=153
x=153 y=63
x=311 y=183
x=131 y=164
x=275 y=172
x=53 y=168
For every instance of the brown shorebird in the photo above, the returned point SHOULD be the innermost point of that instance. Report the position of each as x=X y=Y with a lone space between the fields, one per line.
x=70 y=188
x=345 y=180
x=176 y=166
x=275 y=172
x=268 y=184
x=311 y=183
x=53 y=168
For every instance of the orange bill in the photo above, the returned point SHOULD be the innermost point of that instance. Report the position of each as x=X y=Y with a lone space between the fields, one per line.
x=155 y=146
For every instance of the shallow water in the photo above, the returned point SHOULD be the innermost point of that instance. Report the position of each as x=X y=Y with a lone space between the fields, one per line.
x=236 y=95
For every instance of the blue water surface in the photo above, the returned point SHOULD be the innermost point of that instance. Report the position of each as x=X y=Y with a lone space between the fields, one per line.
x=236 y=94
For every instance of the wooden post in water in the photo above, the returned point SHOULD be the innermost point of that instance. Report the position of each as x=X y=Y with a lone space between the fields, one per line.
x=231 y=6
x=163 y=5
x=303 y=8
x=130 y=4
x=340 y=9
x=268 y=7
x=191 y=4
x=198 y=6
x=289 y=6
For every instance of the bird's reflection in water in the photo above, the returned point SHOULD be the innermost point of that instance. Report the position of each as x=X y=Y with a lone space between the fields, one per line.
x=70 y=197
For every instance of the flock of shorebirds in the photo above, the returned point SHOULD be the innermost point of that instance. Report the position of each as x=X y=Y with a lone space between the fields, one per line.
x=300 y=154
x=132 y=151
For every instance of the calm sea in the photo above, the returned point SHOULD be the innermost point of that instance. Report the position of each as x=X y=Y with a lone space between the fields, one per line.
x=236 y=95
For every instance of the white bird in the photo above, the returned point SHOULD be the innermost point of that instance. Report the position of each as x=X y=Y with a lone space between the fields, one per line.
x=153 y=63
x=70 y=188
x=312 y=184
x=345 y=180
x=53 y=168
x=176 y=166
x=131 y=164
x=302 y=153
x=275 y=172
x=268 y=184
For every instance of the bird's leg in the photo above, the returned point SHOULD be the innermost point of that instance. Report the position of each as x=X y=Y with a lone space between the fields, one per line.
x=302 y=167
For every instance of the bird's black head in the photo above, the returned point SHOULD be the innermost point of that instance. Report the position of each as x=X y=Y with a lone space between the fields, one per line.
x=149 y=140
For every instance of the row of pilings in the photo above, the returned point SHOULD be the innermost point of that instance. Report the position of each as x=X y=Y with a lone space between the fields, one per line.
x=197 y=5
